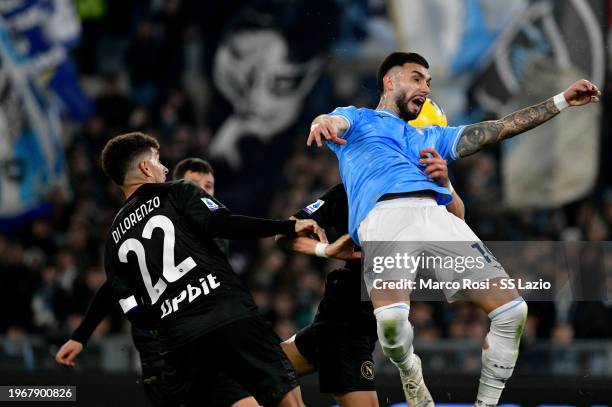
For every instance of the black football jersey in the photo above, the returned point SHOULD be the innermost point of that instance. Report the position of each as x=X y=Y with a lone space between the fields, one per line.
x=158 y=257
x=330 y=211
x=345 y=297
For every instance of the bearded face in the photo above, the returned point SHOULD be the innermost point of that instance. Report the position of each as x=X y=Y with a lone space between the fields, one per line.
x=409 y=107
x=411 y=88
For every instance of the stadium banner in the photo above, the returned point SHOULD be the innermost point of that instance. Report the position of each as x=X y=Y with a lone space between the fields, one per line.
x=465 y=270
x=265 y=88
x=266 y=67
x=534 y=58
x=43 y=32
x=31 y=151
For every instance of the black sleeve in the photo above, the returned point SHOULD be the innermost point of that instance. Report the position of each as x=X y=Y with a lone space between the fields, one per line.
x=214 y=220
x=330 y=210
x=98 y=309
x=245 y=227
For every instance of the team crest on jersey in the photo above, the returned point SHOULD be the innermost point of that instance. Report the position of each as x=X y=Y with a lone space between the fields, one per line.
x=367 y=370
x=310 y=209
x=210 y=204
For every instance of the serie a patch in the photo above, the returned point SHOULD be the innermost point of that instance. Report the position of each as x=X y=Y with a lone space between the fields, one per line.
x=210 y=204
x=310 y=209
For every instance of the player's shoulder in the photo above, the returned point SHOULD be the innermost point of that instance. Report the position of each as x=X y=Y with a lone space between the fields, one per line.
x=351 y=109
x=329 y=199
x=182 y=188
x=337 y=192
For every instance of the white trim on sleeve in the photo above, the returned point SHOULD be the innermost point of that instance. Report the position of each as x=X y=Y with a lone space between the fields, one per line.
x=128 y=303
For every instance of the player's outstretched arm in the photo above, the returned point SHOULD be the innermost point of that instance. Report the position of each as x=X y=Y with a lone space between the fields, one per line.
x=476 y=136
x=328 y=127
x=98 y=310
x=244 y=227
x=341 y=249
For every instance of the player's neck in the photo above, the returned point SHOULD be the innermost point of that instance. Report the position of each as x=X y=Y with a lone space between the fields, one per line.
x=129 y=188
x=386 y=104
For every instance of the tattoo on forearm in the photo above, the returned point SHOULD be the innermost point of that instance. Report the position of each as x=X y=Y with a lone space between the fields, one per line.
x=478 y=135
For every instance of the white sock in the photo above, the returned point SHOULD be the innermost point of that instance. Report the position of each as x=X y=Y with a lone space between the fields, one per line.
x=395 y=334
x=499 y=358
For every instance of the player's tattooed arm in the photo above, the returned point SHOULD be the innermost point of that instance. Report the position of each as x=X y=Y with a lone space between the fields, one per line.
x=479 y=135
x=476 y=136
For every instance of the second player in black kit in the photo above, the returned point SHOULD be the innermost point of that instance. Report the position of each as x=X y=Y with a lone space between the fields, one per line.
x=226 y=391
x=166 y=231
x=340 y=340
x=167 y=272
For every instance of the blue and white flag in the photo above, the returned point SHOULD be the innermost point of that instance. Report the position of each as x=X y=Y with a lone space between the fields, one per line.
x=31 y=152
x=42 y=33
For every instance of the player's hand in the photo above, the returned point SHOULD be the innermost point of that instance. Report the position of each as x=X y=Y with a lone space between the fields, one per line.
x=324 y=128
x=343 y=249
x=581 y=93
x=436 y=166
x=308 y=227
x=68 y=353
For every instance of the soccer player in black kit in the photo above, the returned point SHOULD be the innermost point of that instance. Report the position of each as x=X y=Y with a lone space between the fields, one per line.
x=340 y=341
x=227 y=392
x=167 y=273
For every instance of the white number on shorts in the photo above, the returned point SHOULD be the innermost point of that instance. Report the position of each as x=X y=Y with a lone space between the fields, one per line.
x=486 y=253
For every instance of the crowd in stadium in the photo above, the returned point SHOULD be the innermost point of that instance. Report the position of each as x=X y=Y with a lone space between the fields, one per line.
x=140 y=74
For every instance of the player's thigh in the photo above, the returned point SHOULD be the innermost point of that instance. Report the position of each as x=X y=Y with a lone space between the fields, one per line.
x=470 y=266
x=246 y=402
x=493 y=297
x=291 y=347
x=179 y=376
x=193 y=374
x=291 y=399
x=223 y=390
x=357 y=399
x=256 y=360
x=345 y=358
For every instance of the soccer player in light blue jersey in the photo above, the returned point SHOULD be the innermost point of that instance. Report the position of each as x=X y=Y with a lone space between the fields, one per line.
x=391 y=198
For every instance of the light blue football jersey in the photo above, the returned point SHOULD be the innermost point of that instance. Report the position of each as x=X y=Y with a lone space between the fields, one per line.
x=382 y=156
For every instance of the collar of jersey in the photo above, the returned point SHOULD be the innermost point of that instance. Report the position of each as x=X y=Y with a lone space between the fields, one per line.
x=390 y=113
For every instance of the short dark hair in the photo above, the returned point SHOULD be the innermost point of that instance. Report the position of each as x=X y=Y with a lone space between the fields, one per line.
x=193 y=165
x=119 y=152
x=397 y=59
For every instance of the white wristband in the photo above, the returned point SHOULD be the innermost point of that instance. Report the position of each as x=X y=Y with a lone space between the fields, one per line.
x=450 y=187
x=320 y=249
x=560 y=101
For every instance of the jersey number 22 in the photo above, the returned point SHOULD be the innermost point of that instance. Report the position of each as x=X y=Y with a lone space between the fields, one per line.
x=171 y=272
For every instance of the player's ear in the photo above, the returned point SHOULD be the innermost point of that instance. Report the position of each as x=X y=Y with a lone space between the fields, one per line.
x=387 y=83
x=143 y=167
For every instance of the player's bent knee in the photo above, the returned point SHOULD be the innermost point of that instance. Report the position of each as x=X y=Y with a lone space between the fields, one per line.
x=246 y=402
x=357 y=399
x=292 y=399
x=509 y=319
x=301 y=365
x=393 y=326
x=503 y=340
